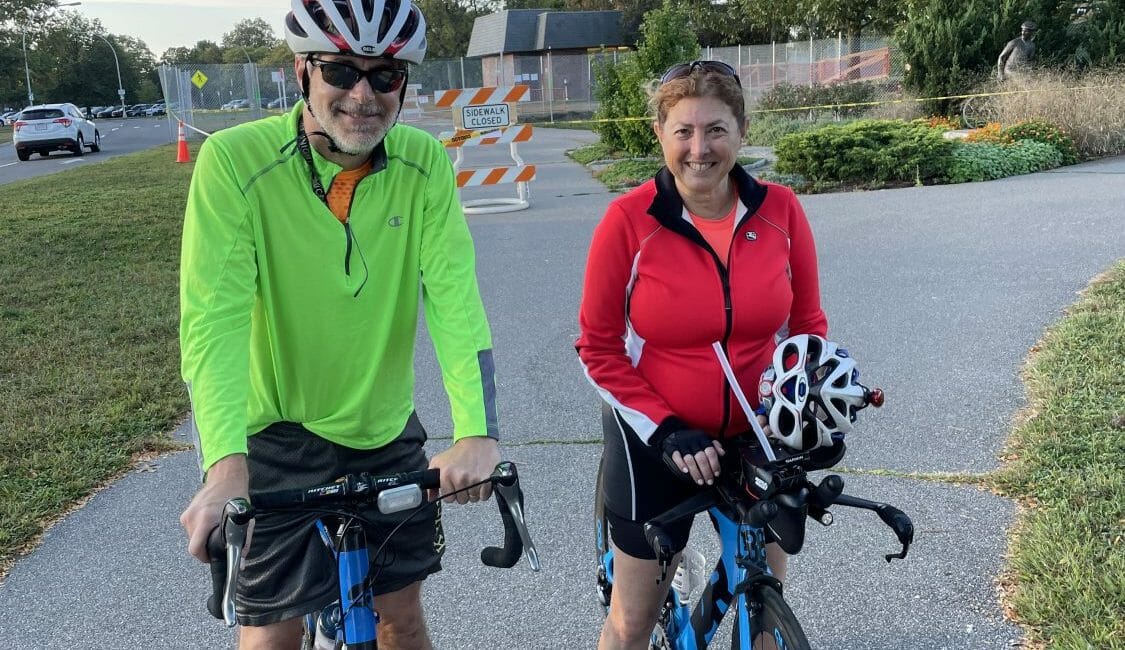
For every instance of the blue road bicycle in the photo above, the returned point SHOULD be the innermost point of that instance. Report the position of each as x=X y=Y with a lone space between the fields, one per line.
x=350 y=623
x=755 y=501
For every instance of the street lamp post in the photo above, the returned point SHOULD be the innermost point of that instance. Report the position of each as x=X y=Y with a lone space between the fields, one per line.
x=26 y=67
x=27 y=71
x=120 y=88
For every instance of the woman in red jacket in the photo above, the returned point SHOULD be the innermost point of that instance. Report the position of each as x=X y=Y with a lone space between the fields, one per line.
x=701 y=253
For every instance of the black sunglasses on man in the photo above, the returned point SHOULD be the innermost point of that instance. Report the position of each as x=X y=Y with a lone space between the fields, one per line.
x=345 y=76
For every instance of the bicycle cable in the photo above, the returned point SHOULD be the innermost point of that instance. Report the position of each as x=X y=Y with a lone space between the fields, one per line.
x=372 y=576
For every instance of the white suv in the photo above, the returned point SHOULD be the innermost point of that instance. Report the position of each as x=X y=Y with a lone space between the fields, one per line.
x=54 y=127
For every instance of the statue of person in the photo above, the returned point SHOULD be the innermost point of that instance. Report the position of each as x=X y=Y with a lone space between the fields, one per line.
x=1018 y=53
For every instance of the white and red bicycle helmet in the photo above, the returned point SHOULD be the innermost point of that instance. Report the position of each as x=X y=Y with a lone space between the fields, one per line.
x=811 y=392
x=394 y=29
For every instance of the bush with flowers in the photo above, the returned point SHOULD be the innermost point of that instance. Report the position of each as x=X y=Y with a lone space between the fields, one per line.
x=1045 y=132
x=991 y=133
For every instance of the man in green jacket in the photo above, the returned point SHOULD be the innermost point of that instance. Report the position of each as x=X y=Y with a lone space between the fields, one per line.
x=306 y=238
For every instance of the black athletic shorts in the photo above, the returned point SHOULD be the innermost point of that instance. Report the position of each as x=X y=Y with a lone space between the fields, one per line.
x=289 y=571
x=637 y=486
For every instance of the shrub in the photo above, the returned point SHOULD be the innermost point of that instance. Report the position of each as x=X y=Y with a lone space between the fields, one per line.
x=767 y=129
x=985 y=161
x=866 y=152
x=1087 y=107
x=1045 y=132
x=791 y=96
x=622 y=89
x=990 y=132
x=951 y=45
x=940 y=122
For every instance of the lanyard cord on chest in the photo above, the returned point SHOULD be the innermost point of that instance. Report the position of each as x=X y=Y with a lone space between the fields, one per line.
x=306 y=153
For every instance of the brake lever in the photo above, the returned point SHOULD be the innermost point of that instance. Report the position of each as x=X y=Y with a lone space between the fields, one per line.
x=236 y=517
x=506 y=484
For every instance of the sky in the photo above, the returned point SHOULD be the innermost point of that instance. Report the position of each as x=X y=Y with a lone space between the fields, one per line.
x=162 y=24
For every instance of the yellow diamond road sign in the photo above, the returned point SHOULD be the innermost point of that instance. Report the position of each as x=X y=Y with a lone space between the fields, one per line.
x=198 y=79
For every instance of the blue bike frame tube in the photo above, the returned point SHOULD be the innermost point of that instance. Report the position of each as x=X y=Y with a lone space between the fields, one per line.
x=743 y=625
x=356 y=604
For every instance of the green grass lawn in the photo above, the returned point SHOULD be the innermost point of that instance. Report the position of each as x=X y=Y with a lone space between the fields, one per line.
x=1066 y=571
x=89 y=359
x=5 y=134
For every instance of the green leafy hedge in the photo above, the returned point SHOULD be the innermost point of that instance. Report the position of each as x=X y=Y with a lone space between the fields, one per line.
x=985 y=161
x=767 y=129
x=868 y=152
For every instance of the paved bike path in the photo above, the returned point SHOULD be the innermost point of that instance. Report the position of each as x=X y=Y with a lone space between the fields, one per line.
x=939 y=292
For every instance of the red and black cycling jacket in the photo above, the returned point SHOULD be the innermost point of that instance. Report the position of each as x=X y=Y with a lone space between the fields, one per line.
x=656 y=296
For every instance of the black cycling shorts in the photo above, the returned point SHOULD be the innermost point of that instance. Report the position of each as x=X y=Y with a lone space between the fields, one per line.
x=636 y=487
x=289 y=571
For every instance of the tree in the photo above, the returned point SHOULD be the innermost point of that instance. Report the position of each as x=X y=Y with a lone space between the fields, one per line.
x=1071 y=34
x=950 y=47
x=252 y=33
x=819 y=18
x=19 y=19
x=449 y=25
x=667 y=38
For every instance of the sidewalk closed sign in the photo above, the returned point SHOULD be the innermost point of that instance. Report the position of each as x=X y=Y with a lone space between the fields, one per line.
x=485 y=116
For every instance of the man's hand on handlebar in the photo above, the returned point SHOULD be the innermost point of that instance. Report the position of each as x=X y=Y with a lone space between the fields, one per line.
x=470 y=460
x=226 y=479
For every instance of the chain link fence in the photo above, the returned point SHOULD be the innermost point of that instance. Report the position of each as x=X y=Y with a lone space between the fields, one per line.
x=209 y=97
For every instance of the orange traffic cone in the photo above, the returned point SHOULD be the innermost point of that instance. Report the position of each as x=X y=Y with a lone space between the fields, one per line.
x=182 y=154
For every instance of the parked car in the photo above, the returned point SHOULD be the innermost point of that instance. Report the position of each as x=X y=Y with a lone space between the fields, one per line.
x=236 y=104
x=93 y=111
x=107 y=112
x=136 y=110
x=156 y=109
x=54 y=127
x=8 y=118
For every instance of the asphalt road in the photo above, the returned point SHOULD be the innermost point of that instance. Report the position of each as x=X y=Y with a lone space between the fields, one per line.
x=118 y=137
x=939 y=292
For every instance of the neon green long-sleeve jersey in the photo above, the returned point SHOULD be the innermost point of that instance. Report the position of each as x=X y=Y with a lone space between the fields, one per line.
x=289 y=315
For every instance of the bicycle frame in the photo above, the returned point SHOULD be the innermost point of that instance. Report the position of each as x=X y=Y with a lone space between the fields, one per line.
x=740 y=566
x=749 y=507
x=357 y=617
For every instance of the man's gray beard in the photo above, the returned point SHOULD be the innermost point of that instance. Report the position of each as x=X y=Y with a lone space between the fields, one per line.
x=354 y=144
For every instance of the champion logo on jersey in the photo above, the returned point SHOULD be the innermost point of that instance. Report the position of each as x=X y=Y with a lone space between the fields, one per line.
x=394 y=222
x=751 y=235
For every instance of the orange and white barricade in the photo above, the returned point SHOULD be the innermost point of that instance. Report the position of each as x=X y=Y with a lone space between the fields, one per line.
x=412 y=103
x=484 y=117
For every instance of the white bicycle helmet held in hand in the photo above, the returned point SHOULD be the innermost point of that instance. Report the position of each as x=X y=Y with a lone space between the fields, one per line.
x=811 y=392
x=393 y=29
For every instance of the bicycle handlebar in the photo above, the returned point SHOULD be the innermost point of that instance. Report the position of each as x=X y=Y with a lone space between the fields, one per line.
x=759 y=493
x=394 y=493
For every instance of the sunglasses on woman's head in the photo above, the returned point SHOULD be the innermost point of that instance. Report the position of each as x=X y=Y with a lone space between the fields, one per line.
x=681 y=70
x=345 y=76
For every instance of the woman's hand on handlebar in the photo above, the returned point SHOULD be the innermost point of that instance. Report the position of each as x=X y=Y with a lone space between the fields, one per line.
x=226 y=479
x=692 y=453
x=470 y=460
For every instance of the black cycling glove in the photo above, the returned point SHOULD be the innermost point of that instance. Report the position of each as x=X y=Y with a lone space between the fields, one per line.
x=672 y=436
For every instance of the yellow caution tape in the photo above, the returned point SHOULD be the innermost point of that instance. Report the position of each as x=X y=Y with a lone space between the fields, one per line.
x=854 y=104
